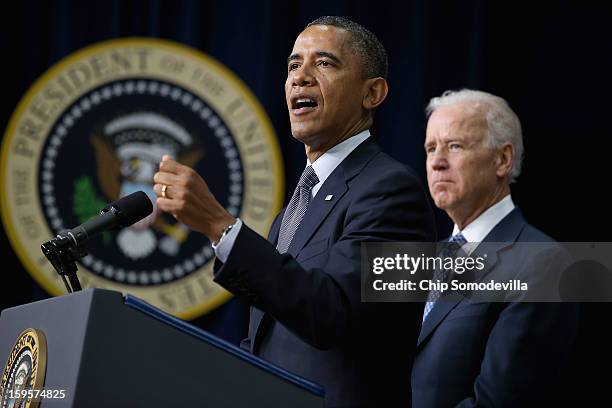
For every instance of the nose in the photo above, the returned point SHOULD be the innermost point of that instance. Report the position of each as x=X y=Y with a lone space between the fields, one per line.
x=302 y=76
x=437 y=160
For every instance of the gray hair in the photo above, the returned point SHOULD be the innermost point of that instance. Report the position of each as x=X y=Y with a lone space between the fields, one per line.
x=365 y=43
x=503 y=126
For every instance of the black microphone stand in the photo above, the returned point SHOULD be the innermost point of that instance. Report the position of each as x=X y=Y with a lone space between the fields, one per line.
x=64 y=250
x=63 y=257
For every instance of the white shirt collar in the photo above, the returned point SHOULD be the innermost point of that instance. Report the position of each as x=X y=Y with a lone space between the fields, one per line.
x=327 y=163
x=478 y=229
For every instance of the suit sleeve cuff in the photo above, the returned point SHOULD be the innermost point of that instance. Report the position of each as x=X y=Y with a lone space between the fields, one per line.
x=225 y=245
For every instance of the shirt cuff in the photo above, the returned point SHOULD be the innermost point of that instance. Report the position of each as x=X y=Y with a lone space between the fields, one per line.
x=226 y=243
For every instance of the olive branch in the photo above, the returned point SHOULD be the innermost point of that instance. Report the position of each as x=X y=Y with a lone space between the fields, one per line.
x=86 y=203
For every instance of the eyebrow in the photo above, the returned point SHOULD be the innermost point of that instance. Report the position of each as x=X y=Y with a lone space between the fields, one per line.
x=326 y=54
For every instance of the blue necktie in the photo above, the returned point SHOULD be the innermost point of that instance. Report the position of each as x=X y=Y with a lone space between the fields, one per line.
x=451 y=248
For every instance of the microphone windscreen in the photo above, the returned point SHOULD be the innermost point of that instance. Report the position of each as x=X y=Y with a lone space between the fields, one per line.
x=133 y=208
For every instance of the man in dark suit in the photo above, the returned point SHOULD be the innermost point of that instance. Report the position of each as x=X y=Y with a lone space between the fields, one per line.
x=472 y=352
x=304 y=282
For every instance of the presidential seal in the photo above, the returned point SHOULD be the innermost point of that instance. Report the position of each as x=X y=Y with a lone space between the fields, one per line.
x=24 y=370
x=95 y=127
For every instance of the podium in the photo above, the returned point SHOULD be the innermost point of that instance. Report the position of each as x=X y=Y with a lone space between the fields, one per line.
x=108 y=350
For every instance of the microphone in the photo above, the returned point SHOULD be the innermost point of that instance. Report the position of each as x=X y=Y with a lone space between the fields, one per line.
x=119 y=214
x=63 y=250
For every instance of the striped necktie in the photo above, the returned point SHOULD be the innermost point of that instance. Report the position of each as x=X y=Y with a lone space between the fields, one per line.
x=296 y=209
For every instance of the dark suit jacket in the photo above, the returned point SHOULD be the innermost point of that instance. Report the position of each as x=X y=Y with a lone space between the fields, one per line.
x=307 y=315
x=472 y=353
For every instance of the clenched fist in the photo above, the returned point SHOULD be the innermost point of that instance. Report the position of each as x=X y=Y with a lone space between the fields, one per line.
x=186 y=196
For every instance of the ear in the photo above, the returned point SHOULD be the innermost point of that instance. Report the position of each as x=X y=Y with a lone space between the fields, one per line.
x=504 y=160
x=376 y=90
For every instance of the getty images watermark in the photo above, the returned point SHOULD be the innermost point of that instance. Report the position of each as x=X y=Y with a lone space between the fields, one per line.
x=488 y=271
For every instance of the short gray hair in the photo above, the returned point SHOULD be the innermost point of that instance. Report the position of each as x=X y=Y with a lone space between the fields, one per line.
x=503 y=126
x=366 y=44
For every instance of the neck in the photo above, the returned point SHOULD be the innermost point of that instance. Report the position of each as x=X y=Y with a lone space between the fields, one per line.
x=465 y=216
x=314 y=151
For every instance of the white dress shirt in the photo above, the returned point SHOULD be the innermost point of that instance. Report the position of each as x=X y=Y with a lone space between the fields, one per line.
x=323 y=167
x=478 y=229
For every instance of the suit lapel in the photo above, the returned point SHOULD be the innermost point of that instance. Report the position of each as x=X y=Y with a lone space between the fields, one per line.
x=501 y=236
x=335 y=185
x=318 y=210
x=448 y=302
x=440 y=310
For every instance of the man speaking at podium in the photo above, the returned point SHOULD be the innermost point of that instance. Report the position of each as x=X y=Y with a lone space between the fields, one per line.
x=304 y=282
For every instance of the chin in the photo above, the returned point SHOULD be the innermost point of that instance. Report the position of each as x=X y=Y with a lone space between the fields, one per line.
x=443 y=201
x=302 y=133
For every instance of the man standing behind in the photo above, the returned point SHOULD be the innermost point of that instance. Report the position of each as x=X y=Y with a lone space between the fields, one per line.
x=304 y=284
x=473 y=353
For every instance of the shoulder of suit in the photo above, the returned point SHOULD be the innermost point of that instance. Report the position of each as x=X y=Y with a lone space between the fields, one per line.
x=383 y=166
x=532 y=234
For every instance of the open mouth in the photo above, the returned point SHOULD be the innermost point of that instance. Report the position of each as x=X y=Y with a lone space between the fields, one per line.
x=303 y=104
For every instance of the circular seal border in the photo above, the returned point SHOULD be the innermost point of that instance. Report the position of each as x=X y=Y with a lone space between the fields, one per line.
x=65 y=63
x=41 y=361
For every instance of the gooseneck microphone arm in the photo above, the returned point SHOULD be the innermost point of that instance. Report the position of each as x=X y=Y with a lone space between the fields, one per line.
x=67 y=247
